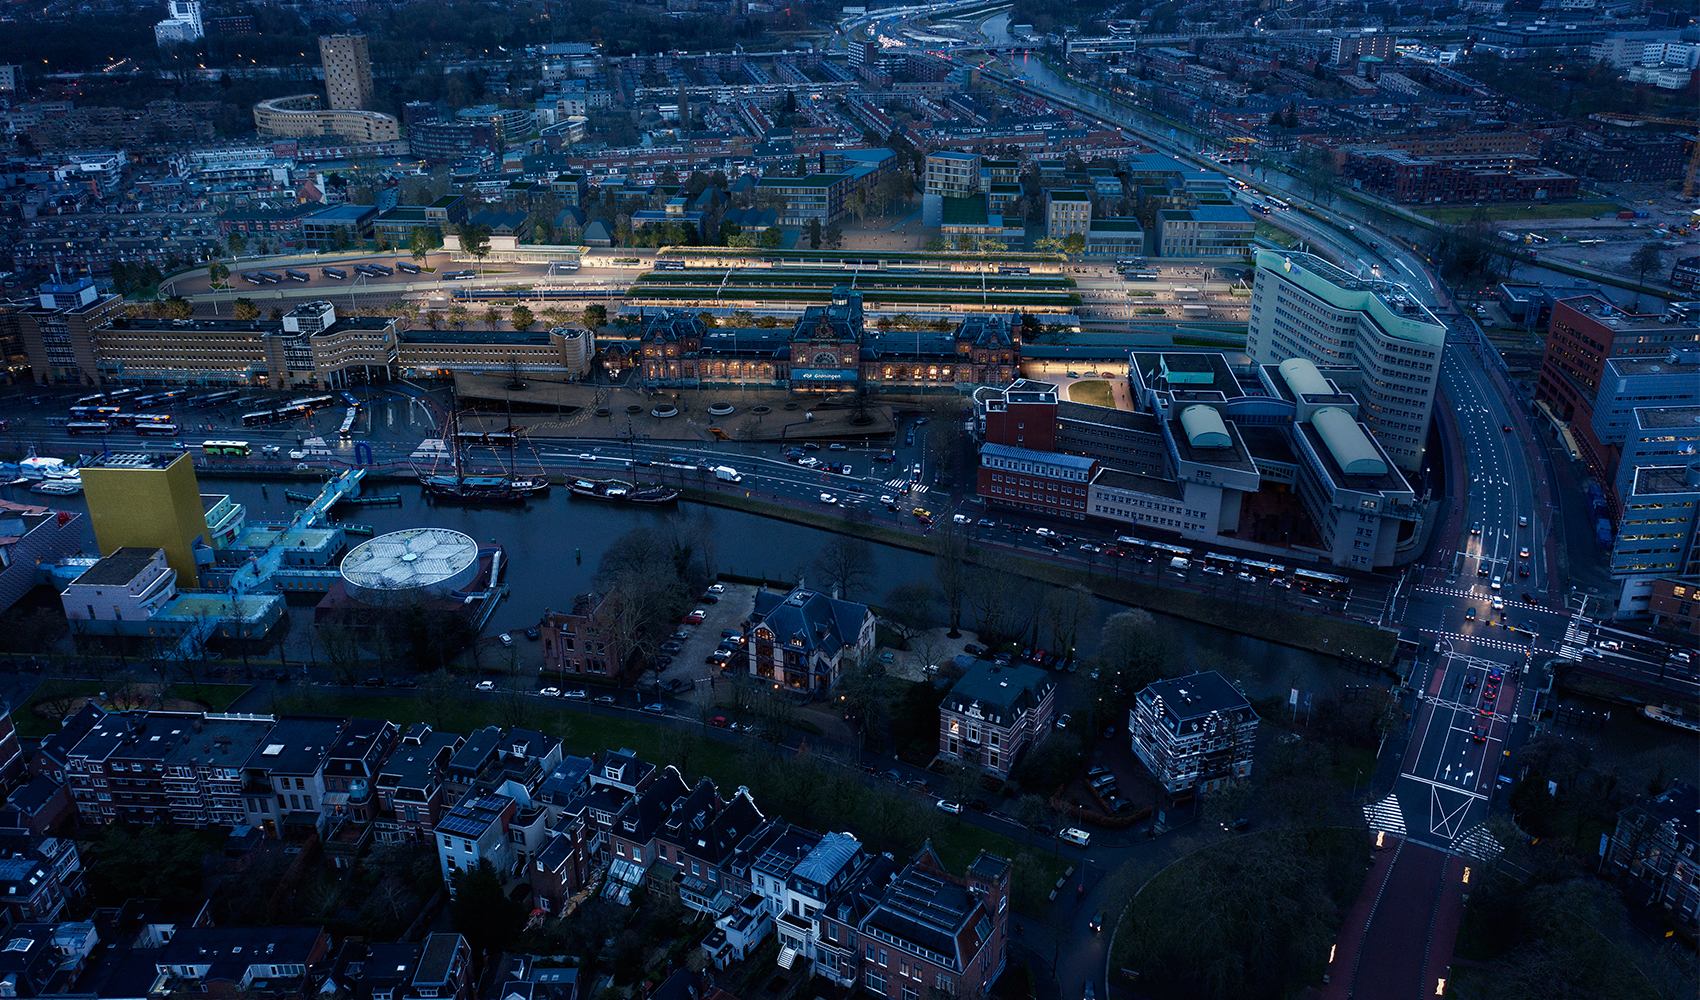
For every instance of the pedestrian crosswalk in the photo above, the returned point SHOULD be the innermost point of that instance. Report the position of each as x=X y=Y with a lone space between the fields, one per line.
x=1478 y=843
x=1576 y=636
x=1386 y=815
x=906 y=485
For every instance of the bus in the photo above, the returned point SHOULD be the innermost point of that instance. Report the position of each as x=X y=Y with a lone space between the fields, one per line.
x=408 y=266
x=269 y=277
x=158 y=430
x=1322 y=584
x=457 y=275
x=1220 y=565
x=333 y=273
x=1015 y=270
x=92 y=412
x=150 y=418
x=1260 y=208
x=486 y=437
x=1263 y=568
x=375 y=270
x=233 y=449
x=88 y=427
x=314 y=402
x=1142 y=276
x=259 y=417
x=1168 y=551
x=214 y=399
x=251 y=279
x=349 y=398
x=298 y=276
x=669 y=265
x=122 y=394
x=347 y=428
x=91 y=400
x=1278 y=205
x=1137 y=548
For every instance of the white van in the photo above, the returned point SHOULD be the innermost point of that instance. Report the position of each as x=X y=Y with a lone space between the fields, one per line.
x=1180 y=563
x=1076 y=836
x=727 y=474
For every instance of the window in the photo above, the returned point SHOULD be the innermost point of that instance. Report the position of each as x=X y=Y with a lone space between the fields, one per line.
x=876 y=982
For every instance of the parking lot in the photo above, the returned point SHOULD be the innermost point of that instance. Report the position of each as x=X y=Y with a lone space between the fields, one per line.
x=689 y=667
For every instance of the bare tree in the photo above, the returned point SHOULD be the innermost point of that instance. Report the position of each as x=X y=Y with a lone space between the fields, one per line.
x=909 y=606
x=951 y=572
x=437 y=691
x=846 y=562
x=1066 y=611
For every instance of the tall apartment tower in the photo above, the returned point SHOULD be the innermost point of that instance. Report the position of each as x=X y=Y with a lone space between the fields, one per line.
x=1304 y=307
x=348 y=72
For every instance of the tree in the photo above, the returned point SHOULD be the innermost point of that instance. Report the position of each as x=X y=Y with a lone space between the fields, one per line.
x=340 y=239
x=458 y=317
x=846 y=562
x=814 y=234
x=245 y=309
x=1066 y=610
x=482 y=912
x=420 y=242
x=522 y=318
x=218 y=275
x=1074 y=244
x=834 y=237
x=909 y=606
x=491 y=317
x=237 y=243
x=771 y=238
x=1049 y=244
x=951 y=572
x=1647 y=257
x=475 y=240
x=594 y=317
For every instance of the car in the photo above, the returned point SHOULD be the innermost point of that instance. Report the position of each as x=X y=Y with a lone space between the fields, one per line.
x=731 y=633
x=1498 y=604
x=1476 y=528
x=1470 y=682
x=1497 y=581
x=405 y=682
x=1239 y=825
x=1505 y=427
x=961 y=518
x=505 y=639
x=297 y=454
x=550 y=692
x=1075 y=836
x=1103 y=781
x=672 y=685
x=709 y=599
x=1099 y=771
x=892 y=775
x=585 y=456
x=810 y=446
x=1482 y=569
x=485 y=686
x=1246 y=577
x=921 y=512
x=887 y=657
x=680 y=459
x=1063 y=720
x=680 y=635
x=532 y=633
x=1479 y=734
x=837 y=446
x=1096 y=924
x=973 y=649
x=978 y=806
x=671 y=647
x=719 y=721
x=1522 y=520
x=717 y=588
x=270 y=449
x=1044 y=532
x=1470 y=613
x=696 y=617
x=847 y=470
x=1609 y=645
x=945 y=805
x=372 y=682
x=607 y=699
x=1073 y=374
x=920 y=783
x=1523 y=553
x=885 y=457
x=663 y=660
x=828 y=498
x=887 y=499
x=578 y=694
x=810 y=463
x=986 y=522
x=1522 y=569
x=656 y=707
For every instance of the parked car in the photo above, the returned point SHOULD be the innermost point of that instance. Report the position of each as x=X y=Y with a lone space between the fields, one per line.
x=576 y=693
x=607 y=699
x=550 y=692
x=656 y=707
x=671 y=647
x=945 y=805
x=505 y=639
x=1063 y=720
x=485 y=686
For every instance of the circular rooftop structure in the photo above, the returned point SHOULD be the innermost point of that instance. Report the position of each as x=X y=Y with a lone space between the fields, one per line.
x=418 y=563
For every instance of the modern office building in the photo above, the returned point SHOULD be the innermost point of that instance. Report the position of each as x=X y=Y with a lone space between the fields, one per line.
x=348 y=72
x=1658 y=534
x=57 y=334
x=299 y=117
x=149 y=502
x=1647 y=413
x=1586 y=331
x=952 y=173
x=1304 y=307
x=184 y=24
x=1067 y=213
x=817 y=197
x=1205 y=231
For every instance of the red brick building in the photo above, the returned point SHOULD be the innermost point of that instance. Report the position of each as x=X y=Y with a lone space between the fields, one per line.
x=934 y=934
x=1040 y=482
x=581 y=641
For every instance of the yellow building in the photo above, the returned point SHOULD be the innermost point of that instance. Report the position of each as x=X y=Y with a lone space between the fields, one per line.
x=149 y=501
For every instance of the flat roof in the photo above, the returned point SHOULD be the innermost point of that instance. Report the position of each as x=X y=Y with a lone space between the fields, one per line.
x=1668 y=416
x=1656 y=480
x=1234 y=456
x=119 y=568
x=1133 y=482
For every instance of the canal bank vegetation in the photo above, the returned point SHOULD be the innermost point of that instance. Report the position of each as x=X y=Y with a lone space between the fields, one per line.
x=1135 y=584
x=1250 y=918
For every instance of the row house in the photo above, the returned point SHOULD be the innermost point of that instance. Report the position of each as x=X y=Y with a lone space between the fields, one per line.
x=116 y=771
x=204 y=776
x=445 y=969
x=351 y=774
x=240 y=961
x=932 y=931
x=1654 y=845
x=699 y=835
x=284 y=781
x=491 y=757
x=29 y=890
x=411 y=785
x=58 y=855
x=631 y=839
x=797 y=891
x=475 y=830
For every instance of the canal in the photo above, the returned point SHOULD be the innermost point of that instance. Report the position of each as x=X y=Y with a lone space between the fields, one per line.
x=554 y=545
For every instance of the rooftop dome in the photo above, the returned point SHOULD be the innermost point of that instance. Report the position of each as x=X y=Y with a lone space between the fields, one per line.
x=416 y=563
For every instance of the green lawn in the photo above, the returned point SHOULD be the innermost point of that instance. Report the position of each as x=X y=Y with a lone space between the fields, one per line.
x=1093 y=391
x=41 y=714
x=1523 y=212
x=1276 y=235
x=217 y=697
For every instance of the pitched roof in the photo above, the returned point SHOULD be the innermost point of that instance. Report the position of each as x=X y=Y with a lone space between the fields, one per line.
x=809 y=620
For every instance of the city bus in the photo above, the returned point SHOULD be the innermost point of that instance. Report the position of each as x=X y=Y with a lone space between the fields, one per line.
x=669 y=265
x=150 y=418
x=233 y=449
x=302 y=276
x=457 y=275
x=216 y=398
x=1168 y=551
x=1015 y=270
x=259 y=417
x=486 y=437
x=91 y=400
x=157 y=430
x=1142 y=276
x=347 y=428
x=269 y=277
x=408 y=266
x=333 y=273
x=1263 y=568
x=88 y=427
x=1322 y=584
x=92 y=412
x=1219 y=564
x=1278 y=205
x=1137 y=548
